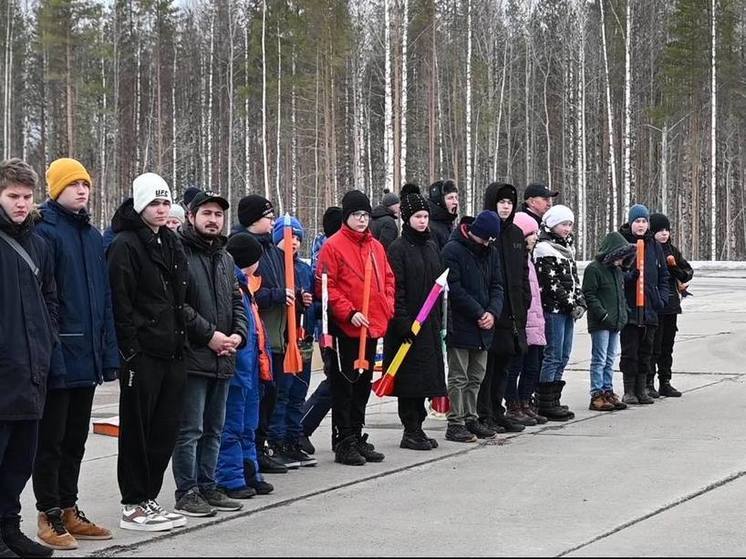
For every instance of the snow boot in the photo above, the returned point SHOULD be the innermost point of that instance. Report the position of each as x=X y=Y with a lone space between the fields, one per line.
x=558 y=387
x=629 y=398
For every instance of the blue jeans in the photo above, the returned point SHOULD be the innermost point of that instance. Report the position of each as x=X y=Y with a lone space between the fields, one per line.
x=238 y=444
x=559 y=332
x=198 y=442
x=523 y=374
x=605 y=345
x=285 y=423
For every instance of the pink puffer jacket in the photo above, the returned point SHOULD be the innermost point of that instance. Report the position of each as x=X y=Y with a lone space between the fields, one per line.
x=535 y=322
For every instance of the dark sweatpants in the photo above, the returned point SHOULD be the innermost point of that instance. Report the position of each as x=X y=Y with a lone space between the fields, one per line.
x=412 y=413
x=492 y=390
x=63 y=432
x=665 y=335
x=350 y=389
x=637 y=350
x=150 y=406
x=17 y=449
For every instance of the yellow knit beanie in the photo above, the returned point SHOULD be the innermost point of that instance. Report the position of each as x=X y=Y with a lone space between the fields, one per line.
x=62 y=173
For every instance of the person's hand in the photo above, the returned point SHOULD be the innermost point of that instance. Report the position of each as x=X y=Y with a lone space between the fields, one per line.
x=578 y=312
x=486 y=322
x=218 y=342
x=307 y=299
x=359 y=320
x=289 y=297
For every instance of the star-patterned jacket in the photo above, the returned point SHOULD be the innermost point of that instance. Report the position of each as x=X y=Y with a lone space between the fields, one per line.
x=554 y=257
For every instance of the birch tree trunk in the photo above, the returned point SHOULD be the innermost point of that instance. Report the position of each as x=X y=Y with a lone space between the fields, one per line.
x=582 y=179
x=500 y=111
x=246 y=131
x=713 y=135
x=627 y=179
x=264 y=101
x=211 y=72
x=403 y=97
x=279 y=121
x=231 y=54
x=69 y=99
x=469 y=182
x=388 y=102
x=610 y=119
x=293 y=145
x=7 y=81
x=174 y=142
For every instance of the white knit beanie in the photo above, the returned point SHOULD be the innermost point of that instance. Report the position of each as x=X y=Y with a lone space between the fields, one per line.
x=148 y=187
x=558 y=214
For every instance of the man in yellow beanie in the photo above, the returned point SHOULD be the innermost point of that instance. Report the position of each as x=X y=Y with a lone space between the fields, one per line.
x=86 y=356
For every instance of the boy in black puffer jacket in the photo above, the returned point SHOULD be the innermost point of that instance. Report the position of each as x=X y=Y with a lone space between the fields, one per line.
x=680 y=274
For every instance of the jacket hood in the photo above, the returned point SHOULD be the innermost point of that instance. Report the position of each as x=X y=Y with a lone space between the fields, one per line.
x=498 y=191
x=381 y=211
x=460 y=235
x=439 y=213
x=126 y=218
x=615 y=247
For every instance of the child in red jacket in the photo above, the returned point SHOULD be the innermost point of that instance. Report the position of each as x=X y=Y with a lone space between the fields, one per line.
x=343 y=257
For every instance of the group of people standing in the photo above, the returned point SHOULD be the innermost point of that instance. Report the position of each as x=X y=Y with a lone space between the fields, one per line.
x=211 y=337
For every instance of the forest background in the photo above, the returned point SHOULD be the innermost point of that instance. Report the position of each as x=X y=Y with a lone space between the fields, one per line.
x=611 y=102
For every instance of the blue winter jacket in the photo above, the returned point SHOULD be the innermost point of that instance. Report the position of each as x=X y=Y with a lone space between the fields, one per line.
x=88 y=353
x=247 y=359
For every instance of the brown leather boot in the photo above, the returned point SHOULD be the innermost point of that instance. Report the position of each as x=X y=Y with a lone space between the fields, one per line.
x=82 y=528
x=614 y=400
x=515 y=413
x=51 y=531
x=599 y=403
x=528 y=409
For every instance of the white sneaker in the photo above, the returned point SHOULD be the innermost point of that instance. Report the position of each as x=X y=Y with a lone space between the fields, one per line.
x=141 y=518
x=176 y=519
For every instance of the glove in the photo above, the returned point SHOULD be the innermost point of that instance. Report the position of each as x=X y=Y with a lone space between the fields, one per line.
x=578 y=312
x=671 y=261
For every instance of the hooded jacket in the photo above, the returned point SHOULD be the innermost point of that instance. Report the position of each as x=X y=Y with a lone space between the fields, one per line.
x=343 y=256
x=383 y=225
x=88 y=340
x=603 y=285
x=510 y=326
x=441 y=224
x=474 y=287
x=656 y=280
x=148 y=275
x=213 y=303
x=28 y=322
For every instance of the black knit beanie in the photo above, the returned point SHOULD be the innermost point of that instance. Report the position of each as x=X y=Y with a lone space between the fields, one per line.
x=252 y=208
x=332 y=220
x=244 y=249
x=412 y=201
x=354 y=201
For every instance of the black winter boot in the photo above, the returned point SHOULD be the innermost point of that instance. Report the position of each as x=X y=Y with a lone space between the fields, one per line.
x=260 y=486
x=367 y=450
x=18 y=543
x=558 y=387
x=641 y=389
x=414 y=441
x=546 y=405
x=650 y=386
x=629 y=397
x=346 y=452
x=665 y=389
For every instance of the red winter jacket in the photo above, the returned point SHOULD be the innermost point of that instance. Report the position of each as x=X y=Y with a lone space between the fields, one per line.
x=343 y=256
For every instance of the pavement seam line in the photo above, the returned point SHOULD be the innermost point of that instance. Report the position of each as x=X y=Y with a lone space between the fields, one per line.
x=680 y=501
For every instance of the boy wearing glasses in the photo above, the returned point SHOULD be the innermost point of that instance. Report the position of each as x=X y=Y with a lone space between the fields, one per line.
x=344 y=257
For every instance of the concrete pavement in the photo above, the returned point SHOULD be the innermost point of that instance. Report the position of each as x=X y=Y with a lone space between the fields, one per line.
x=625 y=483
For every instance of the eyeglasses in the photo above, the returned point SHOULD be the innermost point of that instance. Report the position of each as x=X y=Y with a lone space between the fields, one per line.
x=360 y=215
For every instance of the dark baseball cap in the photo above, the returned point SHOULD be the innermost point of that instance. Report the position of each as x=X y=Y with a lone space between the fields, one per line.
x=536 y=190
x=205 y=196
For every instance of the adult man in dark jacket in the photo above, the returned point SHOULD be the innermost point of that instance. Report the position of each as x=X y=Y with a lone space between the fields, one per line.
x=87 y=354
x=383 y=219
x=443 y=210
x=537 y=199
x=638 y=336
x=475 y=299
x=510 y=327
x=148 y=275
x=28 y=332
x=216 y=328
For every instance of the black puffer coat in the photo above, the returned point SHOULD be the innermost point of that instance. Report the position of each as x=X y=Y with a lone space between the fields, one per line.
x=510 y=327
x=441 y=224
x=213 y=303
x=475 y=287
x=28 y=322
x=679 y=272
x=416 y=264
x=383 y=225
x=148 y=275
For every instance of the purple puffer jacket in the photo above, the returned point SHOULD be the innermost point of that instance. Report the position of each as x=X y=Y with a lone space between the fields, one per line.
x=535 y=322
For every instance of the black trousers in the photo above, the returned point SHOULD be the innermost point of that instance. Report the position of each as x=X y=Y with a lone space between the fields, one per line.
x=63 y=432
x=492 y=390
x=150 y=402
x=637 y=350
x=267 y=402
x=17 y=449
x=350 y=389
x=665 y=335
x=412 y=413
